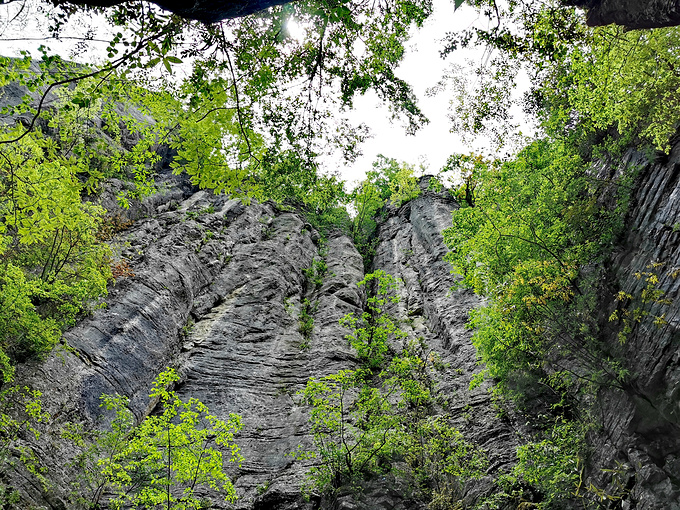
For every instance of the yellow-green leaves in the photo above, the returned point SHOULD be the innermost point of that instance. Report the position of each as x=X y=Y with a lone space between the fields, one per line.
x=164 y=460
x=52 y=265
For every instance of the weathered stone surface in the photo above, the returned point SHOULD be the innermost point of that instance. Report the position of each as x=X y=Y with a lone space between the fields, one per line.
x=640 y=425
x=217 y=293
x=630 y=13
x=411 y=248
x=634 y=14
x=247 y=355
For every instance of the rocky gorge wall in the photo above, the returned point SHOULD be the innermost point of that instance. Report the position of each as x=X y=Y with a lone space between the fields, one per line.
x=218 y=290
x=639 y=436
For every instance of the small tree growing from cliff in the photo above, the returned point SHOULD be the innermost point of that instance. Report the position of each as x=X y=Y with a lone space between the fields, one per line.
x=362 y=420
x=164 y=460
x=20 y=412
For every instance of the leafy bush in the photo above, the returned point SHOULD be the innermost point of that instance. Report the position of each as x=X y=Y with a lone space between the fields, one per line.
x=160 y=462
x=373 y=329
x=363 y=420
x=553 y=466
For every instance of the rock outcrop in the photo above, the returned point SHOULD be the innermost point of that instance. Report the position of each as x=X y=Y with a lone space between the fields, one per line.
x=630 y=13
x=218 y=291
x=633 y=14
x=639 y=439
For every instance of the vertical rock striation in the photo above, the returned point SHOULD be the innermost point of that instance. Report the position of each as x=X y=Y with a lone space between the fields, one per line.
x=639 y=440
x=411 y=248
x=220 y=290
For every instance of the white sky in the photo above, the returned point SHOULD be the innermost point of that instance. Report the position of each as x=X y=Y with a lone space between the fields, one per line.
x=422 y=67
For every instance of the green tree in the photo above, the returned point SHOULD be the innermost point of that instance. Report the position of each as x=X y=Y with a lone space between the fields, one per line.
x=388 y=182
x=363 y=420
x=163 y=461
x=353 y=428
x=535 y=221
x=53 y=266
x=20 y=413
x=373 y=329
x=589 y=85
x=277 y=86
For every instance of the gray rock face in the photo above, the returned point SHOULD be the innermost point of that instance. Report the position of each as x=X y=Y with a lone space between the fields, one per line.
x=634 y=14
x=640 y=425
x=218 y=290
x=412 y=248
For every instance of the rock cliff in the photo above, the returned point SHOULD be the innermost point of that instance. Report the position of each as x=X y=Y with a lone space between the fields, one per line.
x=639 y=439
x=218 y=290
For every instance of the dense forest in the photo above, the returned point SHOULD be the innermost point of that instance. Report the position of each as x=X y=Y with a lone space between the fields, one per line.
x=533 y=232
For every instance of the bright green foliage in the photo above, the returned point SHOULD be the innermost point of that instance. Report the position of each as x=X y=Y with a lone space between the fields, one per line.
x=521 y=212
x=554 y=465
x=388 y=182
x=270 y=92
x=353 y=426
x=289 y=178
x=440 y=460
x=375 y=328
x=364 y=419
x=52 y=263
x=519 y=36
x=164 y=460
x=367 y=201
x=394 y=182
x=20 y=412
x=622 y=79
x=104 y=152
x=404 y=187
x=438 y=457
x=534 y=221
x=23 y=330
x=99 y=448
x=599 y=86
